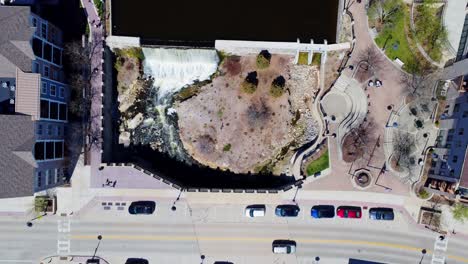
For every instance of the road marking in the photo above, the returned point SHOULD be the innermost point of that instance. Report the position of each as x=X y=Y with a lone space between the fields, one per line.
x=16 y=261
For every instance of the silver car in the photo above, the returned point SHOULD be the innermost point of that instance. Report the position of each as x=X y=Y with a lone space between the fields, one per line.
x=256 y=210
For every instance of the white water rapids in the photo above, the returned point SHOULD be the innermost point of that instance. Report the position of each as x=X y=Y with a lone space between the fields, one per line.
x=171 y=70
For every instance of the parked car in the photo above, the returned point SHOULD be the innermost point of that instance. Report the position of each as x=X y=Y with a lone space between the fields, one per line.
x=287 y=210
x=349 y=212
x=142 y=207
x=323 y=211
x=255 y=210
x=222 y=262
x=381 y=213
x=283 y=246
x=136 y=261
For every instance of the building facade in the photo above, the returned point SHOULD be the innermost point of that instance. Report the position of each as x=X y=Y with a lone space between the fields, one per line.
x=33 y=85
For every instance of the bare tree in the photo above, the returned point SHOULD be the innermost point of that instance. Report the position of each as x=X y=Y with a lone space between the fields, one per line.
x=419 y=78
x=360 y=140
x=403 y=146
x=371 y=57
x=384 y=11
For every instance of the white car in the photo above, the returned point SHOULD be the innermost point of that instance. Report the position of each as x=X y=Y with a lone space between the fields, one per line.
x=284 y=247
x=255 y=210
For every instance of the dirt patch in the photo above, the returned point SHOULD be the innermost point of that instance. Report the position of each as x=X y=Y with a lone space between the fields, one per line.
x=332 y=65
x=256 y=126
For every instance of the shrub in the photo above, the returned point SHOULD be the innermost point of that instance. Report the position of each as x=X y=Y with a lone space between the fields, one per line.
x=227 y=147
x=263 y=59
x=460 y=212
x=277 y=86
x=250 y=83
x=423 y=194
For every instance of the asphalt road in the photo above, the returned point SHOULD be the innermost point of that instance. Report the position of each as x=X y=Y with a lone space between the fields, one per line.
x=221 y=233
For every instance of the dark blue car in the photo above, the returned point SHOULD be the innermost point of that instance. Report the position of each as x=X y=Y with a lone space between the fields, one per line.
x=287 y=210
x=323 y=211
x=142 y=207
x=381 y=213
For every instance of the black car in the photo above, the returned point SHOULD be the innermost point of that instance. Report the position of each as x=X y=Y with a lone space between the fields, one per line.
x=323 y=211
x=136 y=261
x=381 y=213
x=287 y=210
x=142 y=207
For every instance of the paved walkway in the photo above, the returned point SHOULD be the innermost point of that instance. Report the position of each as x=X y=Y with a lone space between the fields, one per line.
x=96 y=41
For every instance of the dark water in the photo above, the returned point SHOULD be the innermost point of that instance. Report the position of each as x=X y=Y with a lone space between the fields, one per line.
x=189 y=22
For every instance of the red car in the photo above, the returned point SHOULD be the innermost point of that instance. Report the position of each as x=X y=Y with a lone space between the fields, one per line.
x=349 y=212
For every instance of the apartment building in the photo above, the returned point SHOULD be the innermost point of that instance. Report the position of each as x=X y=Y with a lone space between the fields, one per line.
x=33 y=104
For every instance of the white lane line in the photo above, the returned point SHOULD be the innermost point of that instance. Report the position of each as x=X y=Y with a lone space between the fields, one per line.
x=16 y=261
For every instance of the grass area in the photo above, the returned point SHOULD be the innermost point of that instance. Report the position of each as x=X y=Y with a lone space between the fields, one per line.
x=100 y=7
x=423 y=194
x=430 y=30
x=316 y=60
x=276 y=91
x=303 y=57
x=395 y=41
x=319 y=164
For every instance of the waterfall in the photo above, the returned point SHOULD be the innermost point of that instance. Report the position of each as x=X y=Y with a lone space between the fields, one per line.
x=171 y=70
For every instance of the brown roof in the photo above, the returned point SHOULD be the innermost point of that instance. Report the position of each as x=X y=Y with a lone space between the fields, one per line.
x=464 y=172
x=28 y=94
x=17 y=162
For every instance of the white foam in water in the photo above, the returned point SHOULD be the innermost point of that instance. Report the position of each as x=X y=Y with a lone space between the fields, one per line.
x=172 y=69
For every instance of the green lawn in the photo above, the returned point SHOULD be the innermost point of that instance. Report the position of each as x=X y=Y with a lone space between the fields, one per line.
x=303 y=56
x=319 y=164
x=396 y=36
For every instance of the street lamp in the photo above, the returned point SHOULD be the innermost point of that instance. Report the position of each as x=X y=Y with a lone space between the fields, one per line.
x=317 y=259
x=30 y=224
x=297 y=190
x=202 y=257
x=423 y=251
x=99 y=242
x=173 y=208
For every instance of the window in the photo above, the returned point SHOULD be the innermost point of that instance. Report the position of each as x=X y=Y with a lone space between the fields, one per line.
x=456 y=108
x=58 y=130
x=461 y=131
x=39 y=179
x=34 y=22
x=448 y=146
x=57 y=57
x=48 y=150
x=44 y=88
x=36 y=67
x=46 y=71
x=451 y=130
x=62 y=92
x=53 y=90
x=55 y=75
x=450 y=138
x=465 y=114
x=443 y=165
x=49 y=130
x=455 y=159
x=44 y=30
x=53 y=110
x=39 y=129
x=47 y=52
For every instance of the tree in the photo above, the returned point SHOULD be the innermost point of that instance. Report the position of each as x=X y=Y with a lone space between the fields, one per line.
x=371 y=57
x=250 y=83
x=419 y=78
x=359 y=140
x=263 y=59
x=385 y=12
x=460 y=212
x=403 y=146
x=277 y=86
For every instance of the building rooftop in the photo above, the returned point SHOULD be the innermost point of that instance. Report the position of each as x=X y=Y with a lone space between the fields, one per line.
x=17 y=162
x=15 y=37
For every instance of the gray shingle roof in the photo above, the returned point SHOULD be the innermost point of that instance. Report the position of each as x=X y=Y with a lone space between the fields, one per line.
x=16 y=156
x=15 y=34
